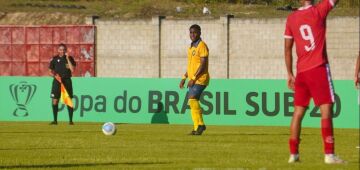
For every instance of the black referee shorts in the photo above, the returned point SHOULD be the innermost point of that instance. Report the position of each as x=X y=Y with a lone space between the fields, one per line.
x=56 y=88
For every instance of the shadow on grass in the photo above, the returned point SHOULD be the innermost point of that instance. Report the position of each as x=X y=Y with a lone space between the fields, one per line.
x=29 y=149
x=254 y=134
x=83 y=131
x=78 y=165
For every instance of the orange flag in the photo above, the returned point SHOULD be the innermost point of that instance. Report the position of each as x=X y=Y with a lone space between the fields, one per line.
x=65 y=98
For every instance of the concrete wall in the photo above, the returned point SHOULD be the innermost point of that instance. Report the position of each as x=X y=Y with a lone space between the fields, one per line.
x=239 y=48
x=127 y=49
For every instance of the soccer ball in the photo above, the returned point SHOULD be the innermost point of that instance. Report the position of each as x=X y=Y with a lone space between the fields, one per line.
x=109 y=128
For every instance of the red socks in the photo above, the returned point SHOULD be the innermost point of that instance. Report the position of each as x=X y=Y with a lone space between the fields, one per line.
x=327 y=135
x=294 y=146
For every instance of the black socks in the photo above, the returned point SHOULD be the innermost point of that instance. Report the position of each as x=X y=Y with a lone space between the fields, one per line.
x=70 y=110
x=55 y=112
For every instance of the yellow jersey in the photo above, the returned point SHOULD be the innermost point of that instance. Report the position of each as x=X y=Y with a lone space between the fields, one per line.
x=195 y=52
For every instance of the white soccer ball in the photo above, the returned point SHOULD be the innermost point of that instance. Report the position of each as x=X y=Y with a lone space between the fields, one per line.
x=109 y=128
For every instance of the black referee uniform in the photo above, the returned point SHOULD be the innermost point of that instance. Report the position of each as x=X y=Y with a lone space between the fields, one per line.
x=59 y=65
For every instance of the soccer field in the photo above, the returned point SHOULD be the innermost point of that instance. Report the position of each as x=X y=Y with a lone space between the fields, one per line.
x=37 y=145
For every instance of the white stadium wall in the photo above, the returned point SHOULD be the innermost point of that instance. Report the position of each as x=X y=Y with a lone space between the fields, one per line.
x=239 y=48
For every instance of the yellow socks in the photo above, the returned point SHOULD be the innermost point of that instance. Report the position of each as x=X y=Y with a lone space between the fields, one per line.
x=196 y=113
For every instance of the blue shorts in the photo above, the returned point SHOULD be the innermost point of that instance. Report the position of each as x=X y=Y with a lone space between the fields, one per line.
x=196 y=91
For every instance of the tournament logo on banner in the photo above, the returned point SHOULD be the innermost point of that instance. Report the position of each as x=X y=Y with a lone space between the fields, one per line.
x=22 y=93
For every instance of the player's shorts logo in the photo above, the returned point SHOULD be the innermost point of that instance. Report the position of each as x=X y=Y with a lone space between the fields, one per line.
x=22 y=94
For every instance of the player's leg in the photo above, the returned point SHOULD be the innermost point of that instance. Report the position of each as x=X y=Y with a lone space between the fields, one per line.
x=327 y=128
x=55 y=108
x=295 y=131
x=194 y=96
x=301 y=101
x=55 y=95
x=191 y=100
x=197 y=109
x=323 y=93
x=69 y=89
x=327 y=132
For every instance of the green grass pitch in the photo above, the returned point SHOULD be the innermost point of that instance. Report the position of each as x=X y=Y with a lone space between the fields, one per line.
x=37 y=145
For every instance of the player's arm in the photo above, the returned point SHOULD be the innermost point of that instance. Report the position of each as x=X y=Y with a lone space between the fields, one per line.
x=325 y=6
x=52 y=72
x=185 y=76
x=70 y=62
x=202 y=68
x=332 y=2
x=55 y=75
x=200 y=71
x=335 y=1
x=357 y=71
x=183 y=79
x=289 y=43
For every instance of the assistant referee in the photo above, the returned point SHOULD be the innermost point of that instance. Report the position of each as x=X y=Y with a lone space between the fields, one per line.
x=61 y=68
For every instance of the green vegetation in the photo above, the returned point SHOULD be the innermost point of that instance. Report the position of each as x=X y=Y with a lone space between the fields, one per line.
x=127 y=9
x=37 y=145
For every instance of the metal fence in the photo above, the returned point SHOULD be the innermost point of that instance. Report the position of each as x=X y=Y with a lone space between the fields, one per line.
x=27 y=50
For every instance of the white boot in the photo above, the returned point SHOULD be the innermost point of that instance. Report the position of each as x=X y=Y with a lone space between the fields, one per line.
x=294 y=158
x=333 y=159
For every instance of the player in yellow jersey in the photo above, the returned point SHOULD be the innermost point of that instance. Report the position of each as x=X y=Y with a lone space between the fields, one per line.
x=198 y=75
